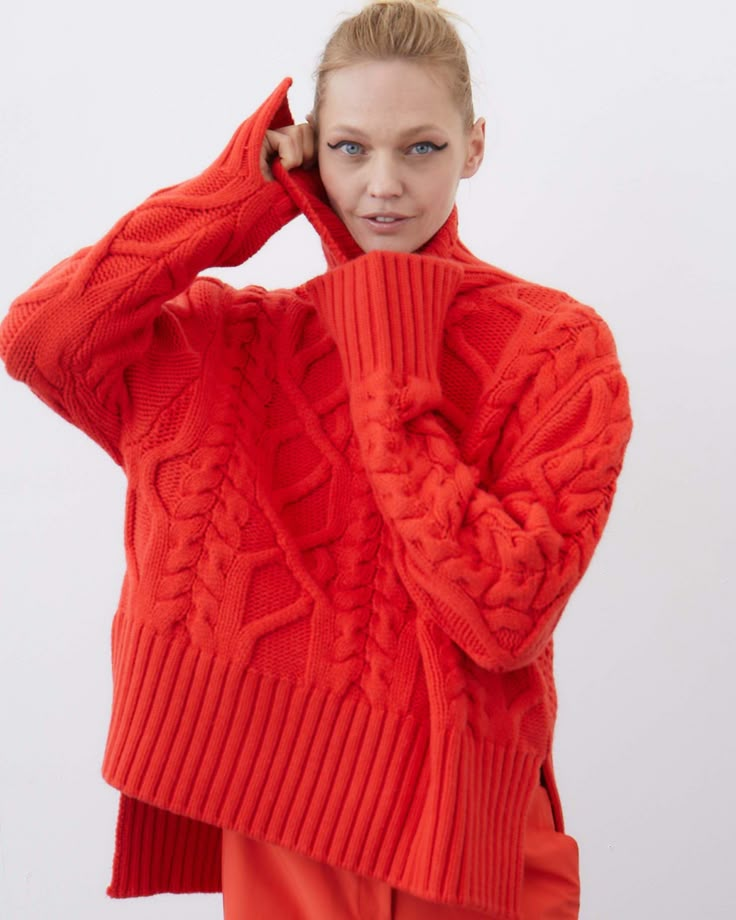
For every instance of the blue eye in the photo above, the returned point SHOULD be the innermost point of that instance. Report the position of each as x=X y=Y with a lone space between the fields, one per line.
x=351 y=148
x=422 y=148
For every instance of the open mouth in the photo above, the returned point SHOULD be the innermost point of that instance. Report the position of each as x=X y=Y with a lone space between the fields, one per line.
x=385 y=221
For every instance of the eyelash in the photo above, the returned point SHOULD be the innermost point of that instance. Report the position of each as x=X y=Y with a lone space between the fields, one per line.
x=340 y=145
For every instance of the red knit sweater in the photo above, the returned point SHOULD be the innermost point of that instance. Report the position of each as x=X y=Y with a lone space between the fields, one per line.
x=356 y=511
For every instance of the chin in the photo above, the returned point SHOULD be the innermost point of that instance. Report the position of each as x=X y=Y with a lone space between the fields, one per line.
x=387 y=246
x=370 y=243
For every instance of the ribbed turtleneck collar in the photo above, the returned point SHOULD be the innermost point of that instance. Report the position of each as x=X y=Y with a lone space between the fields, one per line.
x=306 y=190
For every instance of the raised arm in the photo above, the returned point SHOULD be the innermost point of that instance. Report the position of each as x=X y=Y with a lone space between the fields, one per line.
x=492 y=564
x=73 y=335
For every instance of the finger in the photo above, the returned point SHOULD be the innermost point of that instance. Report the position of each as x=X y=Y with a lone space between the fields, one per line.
x=309 y=146
x=297 y=147
x=289 y=151
x=268 y=151
x=294 y=145
x=276 y=145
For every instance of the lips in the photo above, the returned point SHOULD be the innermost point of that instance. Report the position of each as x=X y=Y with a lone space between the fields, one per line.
x=384 y=217
x=385 y=223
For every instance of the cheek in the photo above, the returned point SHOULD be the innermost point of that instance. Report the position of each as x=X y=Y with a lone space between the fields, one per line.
x=440 y=185
x=336 y=187
x=446 y=188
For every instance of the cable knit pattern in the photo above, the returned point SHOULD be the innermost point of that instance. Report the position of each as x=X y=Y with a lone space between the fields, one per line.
x=105 y=301
x=356 y=511
x=493 y=571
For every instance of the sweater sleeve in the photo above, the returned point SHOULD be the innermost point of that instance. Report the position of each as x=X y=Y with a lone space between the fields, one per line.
x=74 y=335
x=490 y=563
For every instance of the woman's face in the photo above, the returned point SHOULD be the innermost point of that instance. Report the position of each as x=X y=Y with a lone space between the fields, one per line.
x=392 y=150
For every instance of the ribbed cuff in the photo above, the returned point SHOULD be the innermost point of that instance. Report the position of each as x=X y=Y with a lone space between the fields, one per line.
x=386 y=312
x=243 y=152
x=232 y=194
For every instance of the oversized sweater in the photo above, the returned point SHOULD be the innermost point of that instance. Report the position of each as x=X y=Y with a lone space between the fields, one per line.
x=355 y=513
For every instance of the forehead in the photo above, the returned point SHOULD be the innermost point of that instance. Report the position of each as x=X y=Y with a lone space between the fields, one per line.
x=378 y=95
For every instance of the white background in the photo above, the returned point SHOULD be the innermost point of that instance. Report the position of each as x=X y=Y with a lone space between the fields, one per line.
x=609 y=174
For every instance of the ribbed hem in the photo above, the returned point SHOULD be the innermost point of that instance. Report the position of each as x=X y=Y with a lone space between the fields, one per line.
x=386 y=312
x=362 y=789
x=157 y=851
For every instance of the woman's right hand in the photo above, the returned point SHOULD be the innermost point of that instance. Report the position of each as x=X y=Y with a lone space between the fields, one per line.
x=294 y=145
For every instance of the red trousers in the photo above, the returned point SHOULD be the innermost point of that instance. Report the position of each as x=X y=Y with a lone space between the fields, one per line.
x=265 y=882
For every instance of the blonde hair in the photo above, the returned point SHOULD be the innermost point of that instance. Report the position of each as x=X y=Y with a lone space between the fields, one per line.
x=415 y=30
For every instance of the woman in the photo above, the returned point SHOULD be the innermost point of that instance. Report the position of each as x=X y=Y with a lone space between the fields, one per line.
x=356 y=509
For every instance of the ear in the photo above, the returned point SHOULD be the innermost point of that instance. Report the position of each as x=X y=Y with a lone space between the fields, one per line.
x=476 y=149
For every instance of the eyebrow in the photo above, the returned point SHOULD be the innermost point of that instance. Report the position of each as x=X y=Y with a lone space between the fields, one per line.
x=409 y=132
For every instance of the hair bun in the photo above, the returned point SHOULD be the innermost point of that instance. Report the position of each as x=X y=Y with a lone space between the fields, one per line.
x=433 y=3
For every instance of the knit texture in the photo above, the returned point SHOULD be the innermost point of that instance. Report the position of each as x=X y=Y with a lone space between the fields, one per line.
x=356 y=511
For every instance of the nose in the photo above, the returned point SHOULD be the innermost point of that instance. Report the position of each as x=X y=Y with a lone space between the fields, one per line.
x=384 y=180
